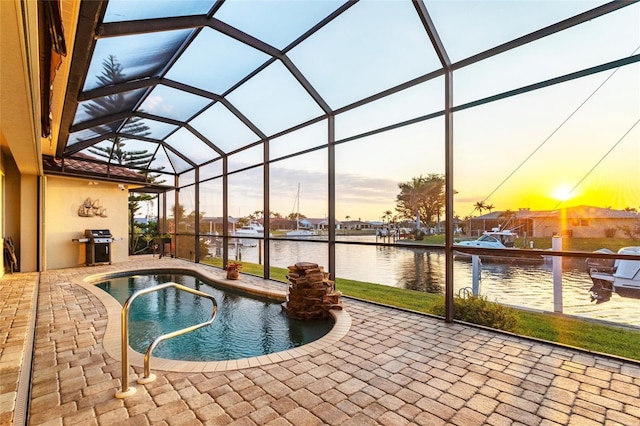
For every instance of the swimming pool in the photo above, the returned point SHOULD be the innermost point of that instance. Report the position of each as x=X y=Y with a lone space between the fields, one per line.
x=245 y=325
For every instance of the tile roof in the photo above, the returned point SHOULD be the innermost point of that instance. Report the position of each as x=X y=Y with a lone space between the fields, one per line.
x=569 y=212
x=81 y=164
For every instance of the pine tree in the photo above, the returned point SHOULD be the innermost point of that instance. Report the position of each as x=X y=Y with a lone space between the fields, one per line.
x=112 y=73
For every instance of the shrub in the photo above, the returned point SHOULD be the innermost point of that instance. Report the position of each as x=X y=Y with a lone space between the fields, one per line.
x=418 y=235
x=479 y=310
x=630 y=232
x=610 y=232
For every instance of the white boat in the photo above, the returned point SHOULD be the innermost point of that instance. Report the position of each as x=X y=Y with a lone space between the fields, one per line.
x=246 y=234
x=621 y=276
x=497 y=239
x=383 y=232
x=300 y=232
x=251 y=230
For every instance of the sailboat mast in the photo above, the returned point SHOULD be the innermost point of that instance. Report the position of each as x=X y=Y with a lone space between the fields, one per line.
x=298 y=208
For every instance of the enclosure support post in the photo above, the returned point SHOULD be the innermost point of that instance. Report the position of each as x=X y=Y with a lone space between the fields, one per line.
x=475 y=265
x=556 y=244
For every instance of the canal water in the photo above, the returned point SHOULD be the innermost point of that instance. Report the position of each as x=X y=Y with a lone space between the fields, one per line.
x=518 y=284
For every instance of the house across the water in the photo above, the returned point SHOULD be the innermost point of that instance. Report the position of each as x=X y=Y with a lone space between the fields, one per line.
x=578 y=222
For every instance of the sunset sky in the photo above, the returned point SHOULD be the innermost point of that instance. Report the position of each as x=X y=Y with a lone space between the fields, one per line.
x=568 y=144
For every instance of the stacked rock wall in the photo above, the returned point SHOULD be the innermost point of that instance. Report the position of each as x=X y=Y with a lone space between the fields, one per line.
x=311 y=293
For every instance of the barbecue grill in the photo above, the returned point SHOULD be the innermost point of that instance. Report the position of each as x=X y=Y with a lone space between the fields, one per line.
x=98 y=246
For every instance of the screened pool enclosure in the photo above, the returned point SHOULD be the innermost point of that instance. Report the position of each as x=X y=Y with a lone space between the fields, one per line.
x=388 y=131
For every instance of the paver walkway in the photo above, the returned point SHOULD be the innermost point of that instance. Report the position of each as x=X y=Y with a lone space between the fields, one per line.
x=392 y=368
x=17 y=292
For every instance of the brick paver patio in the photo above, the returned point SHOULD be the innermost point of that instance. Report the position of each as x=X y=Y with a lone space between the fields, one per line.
x=391 y=368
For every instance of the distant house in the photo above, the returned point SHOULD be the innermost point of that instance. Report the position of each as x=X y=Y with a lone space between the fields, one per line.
x=522 y=221
x=356 y=224
x=579 y=222
x=321 y=224
x=281 y=224
x=213 y=225
x=589 y=222
x=305 y=223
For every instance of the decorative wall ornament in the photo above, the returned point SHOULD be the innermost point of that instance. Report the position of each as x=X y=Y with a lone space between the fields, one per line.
x=91 y=208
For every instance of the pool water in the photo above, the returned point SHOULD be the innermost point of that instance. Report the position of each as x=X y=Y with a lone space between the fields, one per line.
x=245 y=325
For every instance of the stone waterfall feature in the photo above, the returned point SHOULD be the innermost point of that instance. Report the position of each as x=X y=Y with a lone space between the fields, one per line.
x=311 y=293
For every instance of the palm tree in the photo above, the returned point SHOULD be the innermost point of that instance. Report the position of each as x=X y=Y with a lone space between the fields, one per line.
x=387 y=215
x=480 y=206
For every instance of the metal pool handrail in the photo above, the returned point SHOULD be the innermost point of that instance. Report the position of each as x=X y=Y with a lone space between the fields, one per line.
x=126 y=390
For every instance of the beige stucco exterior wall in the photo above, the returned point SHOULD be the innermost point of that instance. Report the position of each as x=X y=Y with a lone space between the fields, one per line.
x=62 y=198
x=594 y=227
x=11 y=222
x=28 y=219
x=1 y=214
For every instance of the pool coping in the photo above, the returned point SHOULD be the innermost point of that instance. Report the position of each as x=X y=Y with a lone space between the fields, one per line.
x=112 y=336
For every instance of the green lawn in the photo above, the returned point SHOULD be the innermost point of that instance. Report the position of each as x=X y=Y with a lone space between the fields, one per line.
x=589 y=335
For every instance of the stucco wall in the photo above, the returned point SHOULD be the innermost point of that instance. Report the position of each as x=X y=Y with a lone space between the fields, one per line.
x=28 y=217
x=11 y=200
x=62 y=224
x=585 y=228
x=1 y=213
